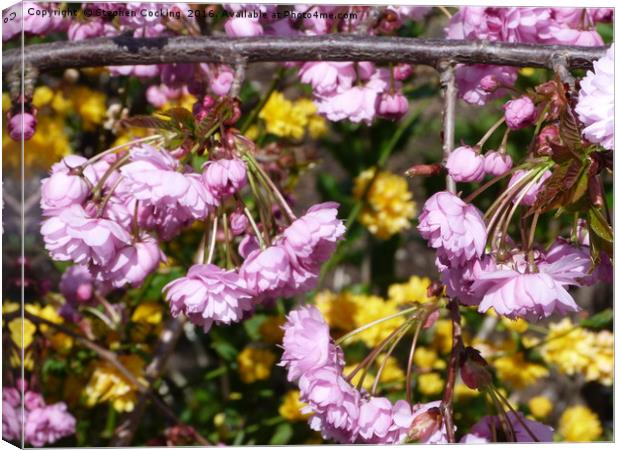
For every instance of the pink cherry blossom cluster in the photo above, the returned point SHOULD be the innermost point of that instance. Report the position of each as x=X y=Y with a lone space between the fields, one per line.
x=568 y=26
x=42 y=424
x=512 y=281
x=339 y=411
x=289 y=267
x=359 y=92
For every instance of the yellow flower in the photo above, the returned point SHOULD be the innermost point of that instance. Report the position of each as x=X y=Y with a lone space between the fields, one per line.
x=337 y=309
x=6 y=102
x=281 y=118
x=48 y=312
x=427 y=358
x=255 y=364
x=540 y=407
x=442 y=341
x=580 y=424
x=463 y=392
x=108 y=384
x=527 y=71
x=61 y=342
x=516 y=371
x=186 y=101
x=271 y=329
x=16 y=359
x=252 y=133
x=90 y=105
x=414 y=290
x=575 y=350
x=22 y=340
x=519 y=325
x=430 y=383
x=317 y=125
x=290 y=408
x=147 y=313
x=370 y=308
x=61 y=104
x=390 y=207
x=42 y=96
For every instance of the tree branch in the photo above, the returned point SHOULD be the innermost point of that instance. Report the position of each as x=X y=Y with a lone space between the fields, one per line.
x=124 y=50
x=448 y=85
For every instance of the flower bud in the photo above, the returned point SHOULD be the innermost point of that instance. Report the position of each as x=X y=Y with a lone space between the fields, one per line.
x=520 y=113
x=465 y=164
x=496 y=163
x=402 y=71
x=474 y=370
x=489 y=83
x=393 y=106
x=22 y=123
x=425 y=425
x=238 y=223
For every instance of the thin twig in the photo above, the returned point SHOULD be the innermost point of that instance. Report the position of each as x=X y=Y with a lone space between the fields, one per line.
x=448 y=84
x=453 y=365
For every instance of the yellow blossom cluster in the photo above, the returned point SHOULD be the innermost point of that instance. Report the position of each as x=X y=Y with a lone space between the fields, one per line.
x=108 y=384
x=514 y=370
x=255 y=364
x=290 y=119
x=540 y=407
x=575 y=350
x=579 y=424
x=146 y=320
x=390 y=207
x=291 y=406
x=415 y=290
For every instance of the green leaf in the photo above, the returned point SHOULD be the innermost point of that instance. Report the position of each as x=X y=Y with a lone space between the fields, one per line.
x=599 y=320
x=150 y=122
x=225 y=350
x=599 y=225
x=282 y=435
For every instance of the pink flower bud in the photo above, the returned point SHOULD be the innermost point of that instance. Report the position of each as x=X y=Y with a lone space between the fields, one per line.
x=238 y=223
x=520 y=113
x=402 y=71
x=19 y=124
x=465 y=164
x=549 y=134
x=496 y=163
x=489 y=83
x=220 y=84
x=242 y=27
x=393 y=106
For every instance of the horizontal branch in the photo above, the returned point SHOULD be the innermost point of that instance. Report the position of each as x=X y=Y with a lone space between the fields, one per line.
x=127 y=50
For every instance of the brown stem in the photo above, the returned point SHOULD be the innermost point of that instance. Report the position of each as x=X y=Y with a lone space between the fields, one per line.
x=453 y=365
x=448 y=85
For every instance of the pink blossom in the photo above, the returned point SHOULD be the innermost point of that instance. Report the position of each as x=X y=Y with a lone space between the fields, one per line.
x=267 y=273
x=77 y=284
x=76 y=235
x=532 y=193
x=358 y=104
x=209 y=294
x=453 y=227
x=475 y=91
x=465 y=164
x=224 y=177
x=152 y=178
x=402 y=71
x=238 y=223
x=47 y=424
x=595 y=106
x=392 y=106
x=313 y=237
x=221 y=82
x=487 y=427
x=242 y=27
x=568 y=263
x=158 y=95
x=440 y=434
x=248 y=244
x=334 y=401
x=307 y=344
x=22 y=125
x=520 y=113
x=459 y=280
x=375 y=419
x=85 y=30
x=532 y=296
x=11 y=414
x=62 y=189
x=496 y=163
x=327 y=78
x=133 y=263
